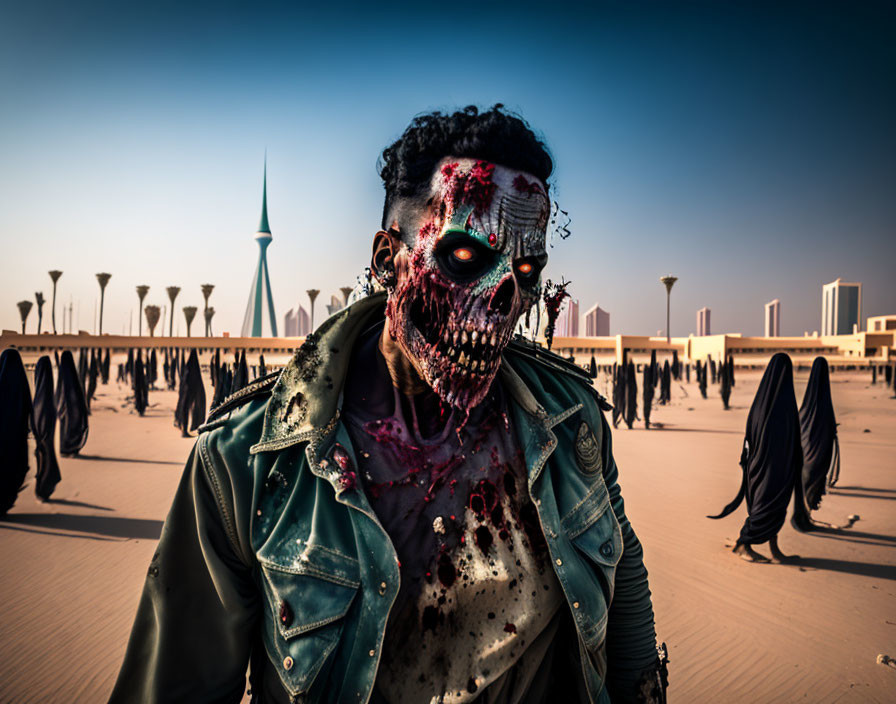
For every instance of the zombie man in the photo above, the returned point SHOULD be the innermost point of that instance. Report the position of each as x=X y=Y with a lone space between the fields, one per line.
x=417 y=508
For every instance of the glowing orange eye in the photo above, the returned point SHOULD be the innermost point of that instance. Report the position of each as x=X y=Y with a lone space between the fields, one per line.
x=463 y=254
x=524 y=268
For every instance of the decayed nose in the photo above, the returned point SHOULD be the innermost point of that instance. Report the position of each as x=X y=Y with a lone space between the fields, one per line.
x=502 y=298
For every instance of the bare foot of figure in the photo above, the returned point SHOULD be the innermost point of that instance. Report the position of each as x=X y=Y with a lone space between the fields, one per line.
x=746 y=552
x=777 y=555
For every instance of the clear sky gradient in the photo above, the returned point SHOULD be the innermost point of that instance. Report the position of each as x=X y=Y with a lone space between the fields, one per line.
x=750 y=151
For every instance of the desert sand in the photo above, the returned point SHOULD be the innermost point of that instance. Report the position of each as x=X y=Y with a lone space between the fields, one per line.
x=71 y=570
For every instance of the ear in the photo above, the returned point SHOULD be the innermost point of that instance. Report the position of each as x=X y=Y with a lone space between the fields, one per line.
x=382 y=262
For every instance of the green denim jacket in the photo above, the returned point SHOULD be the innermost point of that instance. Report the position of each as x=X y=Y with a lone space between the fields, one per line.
x=271 y=552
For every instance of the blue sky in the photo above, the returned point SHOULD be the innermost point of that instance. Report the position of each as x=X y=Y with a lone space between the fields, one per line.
x=749 y=150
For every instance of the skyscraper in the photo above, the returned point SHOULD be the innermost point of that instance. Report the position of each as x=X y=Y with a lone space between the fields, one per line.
x=567 y=324
x=260 y=298
x=773 y=318
x=841 y=307
x=703 y=325
x=597 y=322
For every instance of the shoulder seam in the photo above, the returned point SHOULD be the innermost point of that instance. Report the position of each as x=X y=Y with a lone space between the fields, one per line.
x=229 y=524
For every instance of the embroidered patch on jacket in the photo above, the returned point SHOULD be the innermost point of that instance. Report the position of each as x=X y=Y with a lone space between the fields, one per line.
x=587 y=450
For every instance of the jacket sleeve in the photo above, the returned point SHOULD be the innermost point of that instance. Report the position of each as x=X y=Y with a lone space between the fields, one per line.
x=631 y=637
x=193 y=631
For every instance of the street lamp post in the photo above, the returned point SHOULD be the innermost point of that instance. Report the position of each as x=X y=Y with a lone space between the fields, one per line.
x=102 y=279
x=668 y=281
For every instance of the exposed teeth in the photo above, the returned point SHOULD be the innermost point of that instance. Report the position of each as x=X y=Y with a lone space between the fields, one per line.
x=475 y=336
x=463 y=359
x=463 y=337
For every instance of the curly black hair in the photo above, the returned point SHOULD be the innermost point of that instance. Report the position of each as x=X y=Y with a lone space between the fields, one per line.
x=494 y=135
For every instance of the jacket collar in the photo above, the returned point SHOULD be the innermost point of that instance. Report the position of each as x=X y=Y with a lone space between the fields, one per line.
x=305 y=400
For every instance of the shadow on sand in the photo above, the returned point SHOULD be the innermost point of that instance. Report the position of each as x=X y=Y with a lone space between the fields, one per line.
x=837 y=488
x=110 y=526
x=675 y=429
x=858 y=495
x=79 y=504
x=851 y=535
x=865 y=569
x=99 y=458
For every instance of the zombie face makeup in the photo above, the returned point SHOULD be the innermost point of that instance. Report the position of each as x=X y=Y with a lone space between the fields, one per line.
x=473 y=269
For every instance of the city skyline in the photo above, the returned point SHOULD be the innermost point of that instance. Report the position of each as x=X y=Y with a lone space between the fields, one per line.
x=133 y=146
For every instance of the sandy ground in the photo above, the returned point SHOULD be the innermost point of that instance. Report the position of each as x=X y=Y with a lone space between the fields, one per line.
x=71 y=570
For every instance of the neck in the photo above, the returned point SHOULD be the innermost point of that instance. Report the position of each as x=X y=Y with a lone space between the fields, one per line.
x=403 y=373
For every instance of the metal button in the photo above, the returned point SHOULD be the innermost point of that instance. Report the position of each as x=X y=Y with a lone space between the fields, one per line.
x=606 y=549
x=559 y=562
x=382 y=588
x=575 y=605
x=287 y=663
x=372 y=653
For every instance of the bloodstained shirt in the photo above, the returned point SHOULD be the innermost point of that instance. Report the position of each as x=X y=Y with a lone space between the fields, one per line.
x=475 y=617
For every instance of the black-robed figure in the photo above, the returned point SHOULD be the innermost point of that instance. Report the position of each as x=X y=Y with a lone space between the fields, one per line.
x=821 y=449
x=240 y=374
x=647 y=393
x=771 y=460
x=71 y=407
x=190 y=411
x=618 y=393
x=140 y=385
x=15 y=417
x=43 y=426
x=631 y=395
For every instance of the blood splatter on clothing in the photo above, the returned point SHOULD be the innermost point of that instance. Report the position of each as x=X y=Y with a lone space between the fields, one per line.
x=476 y=589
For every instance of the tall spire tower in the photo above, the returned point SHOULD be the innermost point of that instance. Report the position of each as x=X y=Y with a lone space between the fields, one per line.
x=260 y=297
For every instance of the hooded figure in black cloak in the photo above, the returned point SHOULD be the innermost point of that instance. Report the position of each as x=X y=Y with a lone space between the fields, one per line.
x=592 y=369
x=43 y=426
x=262 y=367
x=888 y=374
x=873 y=373
x=725 y=386
x=240 y=375
x=153 y=369
x=687 y=372
x=221 y=387
x=712 y=369
x=666 y=384
x=631 y=395
x=821 y=449
x=647 y=393
x=122 y=375
x=190 y=411
x=140 y=385
x=83 y=367
x=771 y=460
x=93 y=372
x=15 y=417
x=618 y=403
x=129 y=367
x=701 y=378
x=213 y=366
x=71 y=408
x=676 y=367
x=731 y=371
x=107 y=363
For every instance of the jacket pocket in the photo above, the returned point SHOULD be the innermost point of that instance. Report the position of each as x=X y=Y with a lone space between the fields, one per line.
x=305 y=613
x=592 y=528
